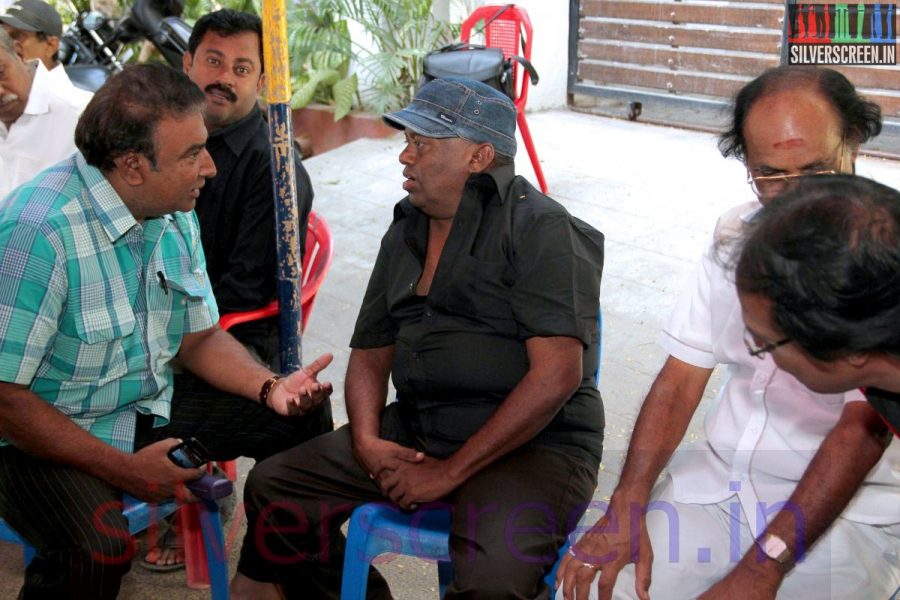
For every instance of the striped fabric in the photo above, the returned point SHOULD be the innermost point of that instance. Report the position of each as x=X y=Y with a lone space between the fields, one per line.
x=93 y=305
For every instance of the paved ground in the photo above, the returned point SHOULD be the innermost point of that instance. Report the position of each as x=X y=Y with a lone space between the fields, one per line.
x=654 y=191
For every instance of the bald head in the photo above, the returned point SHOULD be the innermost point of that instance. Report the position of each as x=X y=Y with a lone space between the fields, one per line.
x=858 y=119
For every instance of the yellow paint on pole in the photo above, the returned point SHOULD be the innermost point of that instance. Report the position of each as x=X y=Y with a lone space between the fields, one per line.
x=275 y=51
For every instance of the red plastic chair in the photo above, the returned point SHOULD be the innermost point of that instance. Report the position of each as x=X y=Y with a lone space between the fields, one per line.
x=316 y=262
x=510 y=31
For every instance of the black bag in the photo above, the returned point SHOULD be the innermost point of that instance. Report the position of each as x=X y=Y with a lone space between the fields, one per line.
x=478 y=63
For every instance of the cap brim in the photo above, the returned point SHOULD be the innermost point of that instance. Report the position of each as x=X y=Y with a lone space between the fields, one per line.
x=14 y=22
x=420 y=124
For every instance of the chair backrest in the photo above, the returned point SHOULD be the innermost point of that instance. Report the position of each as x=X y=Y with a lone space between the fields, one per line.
x=510 y=31
x=316 y=262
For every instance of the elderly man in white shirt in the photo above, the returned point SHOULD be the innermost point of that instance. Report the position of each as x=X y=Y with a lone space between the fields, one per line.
x=37 y=122
x=36 y=28
x=792 y=494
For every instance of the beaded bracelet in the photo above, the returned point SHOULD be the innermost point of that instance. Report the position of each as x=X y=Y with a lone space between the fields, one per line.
x=266 y=390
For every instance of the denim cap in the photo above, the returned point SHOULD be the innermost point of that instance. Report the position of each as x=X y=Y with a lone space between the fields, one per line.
x=459 y=107
x=33 y=15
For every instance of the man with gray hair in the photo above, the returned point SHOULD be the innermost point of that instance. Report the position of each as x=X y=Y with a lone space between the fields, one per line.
x=482 y=306
x=37 y=121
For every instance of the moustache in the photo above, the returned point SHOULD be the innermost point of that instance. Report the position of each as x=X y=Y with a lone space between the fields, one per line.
x=229 y=95
x=7 y=98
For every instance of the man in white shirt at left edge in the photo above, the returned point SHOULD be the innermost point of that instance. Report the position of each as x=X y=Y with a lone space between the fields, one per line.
x=37 y=29
x=37 y=121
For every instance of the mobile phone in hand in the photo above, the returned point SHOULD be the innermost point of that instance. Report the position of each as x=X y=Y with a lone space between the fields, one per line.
x=189 y=454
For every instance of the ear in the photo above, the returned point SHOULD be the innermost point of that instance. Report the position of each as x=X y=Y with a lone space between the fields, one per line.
x=53 y=44
x=187 y=59
x=260 y=84
x=850 y=154
x=20 y=52
x=858 y=360
x=129 y=167
x=482 y=158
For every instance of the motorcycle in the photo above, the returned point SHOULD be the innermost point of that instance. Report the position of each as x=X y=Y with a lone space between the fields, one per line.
x=94 y=47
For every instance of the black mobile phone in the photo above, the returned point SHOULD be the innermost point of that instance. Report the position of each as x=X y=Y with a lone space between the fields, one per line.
x=189 y=454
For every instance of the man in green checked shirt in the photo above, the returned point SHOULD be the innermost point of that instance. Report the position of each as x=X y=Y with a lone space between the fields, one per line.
x=103 y=284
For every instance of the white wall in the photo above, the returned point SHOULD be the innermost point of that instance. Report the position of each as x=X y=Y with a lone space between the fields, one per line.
x=550 y=52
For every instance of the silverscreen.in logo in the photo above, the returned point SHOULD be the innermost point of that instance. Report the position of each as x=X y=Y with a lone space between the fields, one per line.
x=842 y=34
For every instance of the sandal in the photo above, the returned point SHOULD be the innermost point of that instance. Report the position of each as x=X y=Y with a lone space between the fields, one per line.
x=169 y=545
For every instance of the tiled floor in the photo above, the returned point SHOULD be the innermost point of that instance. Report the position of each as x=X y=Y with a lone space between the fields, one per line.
x=654 y=191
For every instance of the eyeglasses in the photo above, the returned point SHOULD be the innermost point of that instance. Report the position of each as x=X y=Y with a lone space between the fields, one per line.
x=772 y=185
x=757 y=351
x=768 y=186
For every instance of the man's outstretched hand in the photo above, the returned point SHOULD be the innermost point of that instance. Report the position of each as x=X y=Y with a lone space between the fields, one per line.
x=301 y=392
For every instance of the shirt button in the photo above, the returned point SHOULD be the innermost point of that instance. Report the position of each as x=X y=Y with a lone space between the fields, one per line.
x=428 y=312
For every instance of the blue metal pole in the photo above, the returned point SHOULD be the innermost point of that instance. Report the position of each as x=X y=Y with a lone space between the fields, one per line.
x=278 y=96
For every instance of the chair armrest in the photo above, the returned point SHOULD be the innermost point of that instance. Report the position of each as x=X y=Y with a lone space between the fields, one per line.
x=230 y=320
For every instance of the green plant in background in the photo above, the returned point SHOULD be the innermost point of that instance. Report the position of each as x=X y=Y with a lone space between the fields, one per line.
x=402 y=33
x=320 y=48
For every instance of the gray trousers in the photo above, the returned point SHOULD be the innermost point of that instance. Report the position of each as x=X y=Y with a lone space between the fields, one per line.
x=509 y=520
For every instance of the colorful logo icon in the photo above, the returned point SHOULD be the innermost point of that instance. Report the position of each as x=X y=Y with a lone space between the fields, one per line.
x=842 y=34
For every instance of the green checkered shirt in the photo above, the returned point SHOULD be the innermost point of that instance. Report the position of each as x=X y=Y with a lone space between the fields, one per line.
x=85 y=321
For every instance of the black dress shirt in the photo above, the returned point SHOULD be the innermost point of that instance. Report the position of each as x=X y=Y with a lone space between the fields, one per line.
x=236 y=209
x=516 y=265
x=888 y=406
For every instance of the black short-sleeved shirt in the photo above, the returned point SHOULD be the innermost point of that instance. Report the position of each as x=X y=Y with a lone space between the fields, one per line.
x=236 y=210
x=516 y=265
x=888 y=406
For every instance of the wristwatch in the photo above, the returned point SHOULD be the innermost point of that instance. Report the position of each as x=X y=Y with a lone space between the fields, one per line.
x=775 y=548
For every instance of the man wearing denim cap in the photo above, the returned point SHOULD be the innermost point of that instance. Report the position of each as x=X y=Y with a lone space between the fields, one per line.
x=482 y=306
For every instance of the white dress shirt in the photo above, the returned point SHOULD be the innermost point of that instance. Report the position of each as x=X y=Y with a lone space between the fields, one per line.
x=764 y=427
x=62 y=83
x=42 y=136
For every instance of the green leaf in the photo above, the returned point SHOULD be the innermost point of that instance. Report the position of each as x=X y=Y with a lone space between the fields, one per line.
x=306 y=92
x=343 y=92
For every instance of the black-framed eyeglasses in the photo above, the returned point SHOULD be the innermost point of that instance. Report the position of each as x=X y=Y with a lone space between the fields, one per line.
x=758 y=351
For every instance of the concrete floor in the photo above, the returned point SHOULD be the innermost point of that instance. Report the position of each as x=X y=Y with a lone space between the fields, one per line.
x=654 y=191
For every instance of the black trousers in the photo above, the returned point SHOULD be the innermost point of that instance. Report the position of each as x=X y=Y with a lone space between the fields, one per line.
x=509 y=520
x=75 y=520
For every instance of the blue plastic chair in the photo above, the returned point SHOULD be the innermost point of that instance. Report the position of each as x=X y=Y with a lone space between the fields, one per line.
x=380 y=528
x=377 y=528
x=141 y=515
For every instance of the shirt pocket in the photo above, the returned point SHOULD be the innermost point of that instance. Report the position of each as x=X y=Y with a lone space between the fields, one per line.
x=96 y=353
x=482 y=290
x=188 y=285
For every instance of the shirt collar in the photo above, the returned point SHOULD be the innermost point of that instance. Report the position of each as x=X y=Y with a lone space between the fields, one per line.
x=39 y=95
x=498 y=179
x=114 y=216
x=237 y=135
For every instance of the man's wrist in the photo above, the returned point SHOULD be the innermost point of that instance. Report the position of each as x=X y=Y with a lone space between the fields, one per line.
x=267 y=389
x=775 y=550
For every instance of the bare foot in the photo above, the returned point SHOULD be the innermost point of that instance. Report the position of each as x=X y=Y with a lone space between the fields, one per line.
x=167 y=551
x=172 y=558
